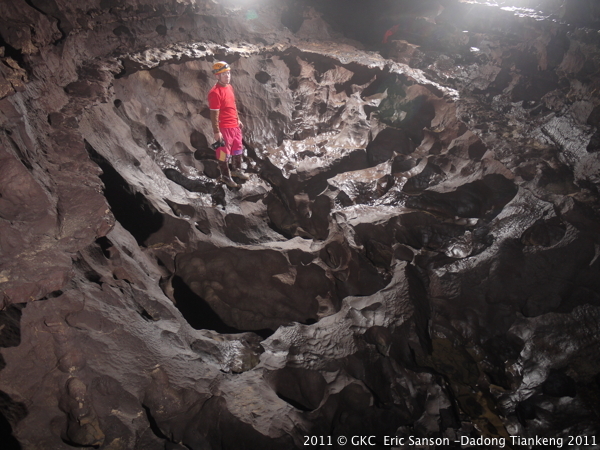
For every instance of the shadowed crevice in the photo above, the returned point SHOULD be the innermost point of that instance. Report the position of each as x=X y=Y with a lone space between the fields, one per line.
x=10 y=325
x=199 y=314
x=11 y=413
x=131 y=209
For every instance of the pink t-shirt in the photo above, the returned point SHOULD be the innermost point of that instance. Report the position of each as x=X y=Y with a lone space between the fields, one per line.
x=222 y=99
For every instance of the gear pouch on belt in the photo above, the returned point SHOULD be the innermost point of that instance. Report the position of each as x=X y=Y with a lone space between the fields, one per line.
x=219 y=148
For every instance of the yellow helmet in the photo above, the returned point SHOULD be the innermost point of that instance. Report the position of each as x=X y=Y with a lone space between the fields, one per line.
x=220 y=67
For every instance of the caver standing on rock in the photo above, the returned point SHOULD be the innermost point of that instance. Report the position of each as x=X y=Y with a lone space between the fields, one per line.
x=226 y=125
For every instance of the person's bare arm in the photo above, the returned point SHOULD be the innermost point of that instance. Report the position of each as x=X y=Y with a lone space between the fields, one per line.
x=214 y=120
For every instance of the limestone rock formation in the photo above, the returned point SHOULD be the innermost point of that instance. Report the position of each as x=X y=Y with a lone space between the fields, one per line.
x=415 y=253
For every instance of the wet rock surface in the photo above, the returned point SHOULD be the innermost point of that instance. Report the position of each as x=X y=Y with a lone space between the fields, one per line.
x=414 y=254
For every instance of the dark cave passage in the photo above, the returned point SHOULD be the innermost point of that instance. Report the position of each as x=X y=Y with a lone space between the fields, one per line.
x=10 y=336
x=10 y=411
x=9 y=442
x=200 y=315
x=131 y=209
x=10 y=326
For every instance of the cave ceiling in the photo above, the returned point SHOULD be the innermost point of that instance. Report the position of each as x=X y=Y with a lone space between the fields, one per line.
x=415 y=253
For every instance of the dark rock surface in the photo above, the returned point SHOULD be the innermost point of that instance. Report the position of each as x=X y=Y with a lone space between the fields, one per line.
x=414 y=254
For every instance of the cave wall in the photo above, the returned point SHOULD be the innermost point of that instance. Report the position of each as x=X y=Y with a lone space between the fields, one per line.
x=415 y=253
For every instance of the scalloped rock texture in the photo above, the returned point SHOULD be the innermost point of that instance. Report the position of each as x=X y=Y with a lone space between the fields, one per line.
x=414 y=254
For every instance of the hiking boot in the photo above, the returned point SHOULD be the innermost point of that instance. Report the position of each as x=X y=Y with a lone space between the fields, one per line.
x=239 y=174
x=226 y=175
x=236 y=165
x=229 y=182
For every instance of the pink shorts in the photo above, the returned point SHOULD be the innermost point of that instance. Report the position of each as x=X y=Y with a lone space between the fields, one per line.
x=233 y=143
